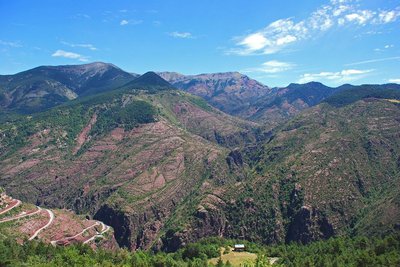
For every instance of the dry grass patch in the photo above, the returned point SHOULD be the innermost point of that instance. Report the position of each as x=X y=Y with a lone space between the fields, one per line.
x=235 y=258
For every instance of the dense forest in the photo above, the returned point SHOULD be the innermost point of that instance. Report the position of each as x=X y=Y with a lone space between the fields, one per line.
x=340 y=251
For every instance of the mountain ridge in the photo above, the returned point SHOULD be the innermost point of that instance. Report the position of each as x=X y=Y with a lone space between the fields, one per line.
x=164 y=167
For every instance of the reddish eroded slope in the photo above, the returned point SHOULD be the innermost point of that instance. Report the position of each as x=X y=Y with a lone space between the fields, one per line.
x=144 y=174
x=83 y=136
x=58 y=227
x=133 y=179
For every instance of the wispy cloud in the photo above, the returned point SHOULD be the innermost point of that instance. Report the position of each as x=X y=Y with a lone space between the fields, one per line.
x=372 y=61
x=81 y=16
x=388 y=46
x=71 y=55
x=387 y=16
x=272 y=66
x=88 y=46
x=394 y=80
x=283 y=32
x=11 y=44
x=182 y=35
x=335 y=77
x=130 y=22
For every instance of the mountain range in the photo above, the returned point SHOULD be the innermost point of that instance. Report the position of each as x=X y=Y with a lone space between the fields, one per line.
x=166 y=159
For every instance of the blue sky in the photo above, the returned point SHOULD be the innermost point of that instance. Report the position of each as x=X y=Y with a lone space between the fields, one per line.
x=276 y=41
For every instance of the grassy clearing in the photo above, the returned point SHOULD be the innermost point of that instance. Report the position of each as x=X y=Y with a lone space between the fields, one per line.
x=235 y=258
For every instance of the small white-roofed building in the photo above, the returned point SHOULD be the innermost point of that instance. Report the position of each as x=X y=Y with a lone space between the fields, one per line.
x=239 y=247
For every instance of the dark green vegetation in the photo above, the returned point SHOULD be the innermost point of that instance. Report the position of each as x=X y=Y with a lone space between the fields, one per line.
x=149 y=80
x=128 y=117
x=40 y=254
x=360 y=251
x=350 y=94
x=47 y=86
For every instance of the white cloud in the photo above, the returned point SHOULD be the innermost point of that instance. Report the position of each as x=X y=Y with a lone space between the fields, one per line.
x=71 y=55
x=272 y=66
x=372 y=61
x=339 y=10
x=254 y=41
x=387 y=16
x=12 y=44
x=286 y=40
x=284 y=32
x=383 y=49
x=88 y=46
x=182 y=35
x=394 y=80
x=335 y=77
x=130 y=22
x=361 y=17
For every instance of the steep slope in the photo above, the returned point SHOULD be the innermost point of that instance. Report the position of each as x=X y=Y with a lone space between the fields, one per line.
x=284 y=103
x=230 y=92
x=23 y=221
x=238 y=95
x=47 y=86
x=137 y=160
x=149 y=79
x=330 y=171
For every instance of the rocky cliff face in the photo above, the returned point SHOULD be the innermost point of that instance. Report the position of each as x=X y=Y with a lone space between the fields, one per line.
x=309 y=225
x=229 y=92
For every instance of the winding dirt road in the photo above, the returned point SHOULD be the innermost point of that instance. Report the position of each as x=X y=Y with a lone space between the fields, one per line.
x=104 y=229
x=51 y=216
x=54 y=242
x=11 y=207
x=21 y=216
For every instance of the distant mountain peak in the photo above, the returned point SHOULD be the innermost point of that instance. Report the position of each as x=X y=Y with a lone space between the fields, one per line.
x=149 y=79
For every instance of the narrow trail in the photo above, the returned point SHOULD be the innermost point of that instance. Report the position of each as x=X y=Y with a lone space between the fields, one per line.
x=10 y=208
x=51 y=215
x=21 y=216
x=104 y=229
x=54 y=242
